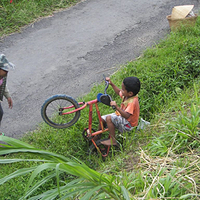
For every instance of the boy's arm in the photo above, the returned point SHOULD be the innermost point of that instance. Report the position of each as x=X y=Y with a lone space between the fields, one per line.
x=123 y=113
x=115 y=88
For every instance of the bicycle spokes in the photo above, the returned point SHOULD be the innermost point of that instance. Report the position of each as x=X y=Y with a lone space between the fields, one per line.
x=60 y=111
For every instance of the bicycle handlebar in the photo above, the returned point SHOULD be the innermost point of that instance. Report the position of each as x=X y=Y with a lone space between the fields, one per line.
x=107 y=84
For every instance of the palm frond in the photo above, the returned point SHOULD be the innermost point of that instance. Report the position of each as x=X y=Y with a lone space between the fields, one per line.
x=90 y=183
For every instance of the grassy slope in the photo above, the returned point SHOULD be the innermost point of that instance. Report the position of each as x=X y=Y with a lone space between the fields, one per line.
x=20 y=13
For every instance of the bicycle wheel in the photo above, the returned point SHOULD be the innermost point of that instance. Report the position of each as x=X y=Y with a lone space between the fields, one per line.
x=53 y=108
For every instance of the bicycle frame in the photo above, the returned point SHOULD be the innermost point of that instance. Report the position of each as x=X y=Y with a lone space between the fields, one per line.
x=91 y=134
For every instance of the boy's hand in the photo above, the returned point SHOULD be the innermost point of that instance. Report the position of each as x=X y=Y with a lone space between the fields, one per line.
x=115 y=88
x=113 y=103
x=108 y=79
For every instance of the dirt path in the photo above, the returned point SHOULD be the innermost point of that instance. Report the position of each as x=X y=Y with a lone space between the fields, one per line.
x=68 y=52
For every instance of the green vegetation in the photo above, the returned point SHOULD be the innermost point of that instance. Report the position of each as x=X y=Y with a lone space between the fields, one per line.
x=19 y=13
x=161 y=162
x=107 y=185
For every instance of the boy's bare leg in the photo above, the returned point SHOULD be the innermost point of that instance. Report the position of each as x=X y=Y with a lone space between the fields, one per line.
x=98 y=137
x=111 y=128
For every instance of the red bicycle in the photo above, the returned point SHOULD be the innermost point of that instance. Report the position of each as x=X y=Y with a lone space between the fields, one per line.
x=62 y=111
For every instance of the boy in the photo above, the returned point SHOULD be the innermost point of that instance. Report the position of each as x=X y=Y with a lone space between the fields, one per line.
x=4 y=68
x=127 y=115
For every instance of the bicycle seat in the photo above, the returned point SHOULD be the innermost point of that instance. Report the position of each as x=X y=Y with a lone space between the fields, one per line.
x=105 y=99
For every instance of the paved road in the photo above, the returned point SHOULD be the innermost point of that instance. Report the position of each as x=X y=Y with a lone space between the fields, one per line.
x=69 y=51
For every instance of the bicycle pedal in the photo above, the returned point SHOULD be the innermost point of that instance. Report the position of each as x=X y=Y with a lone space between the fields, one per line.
x=88 y=133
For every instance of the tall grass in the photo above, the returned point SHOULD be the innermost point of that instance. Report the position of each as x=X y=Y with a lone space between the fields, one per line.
x=182 y=127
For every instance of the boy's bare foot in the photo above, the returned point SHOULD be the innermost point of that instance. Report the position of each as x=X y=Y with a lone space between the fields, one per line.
x=109 y=142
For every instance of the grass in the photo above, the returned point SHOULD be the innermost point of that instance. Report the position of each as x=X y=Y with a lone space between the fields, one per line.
x=14 y=16
x=161 y=162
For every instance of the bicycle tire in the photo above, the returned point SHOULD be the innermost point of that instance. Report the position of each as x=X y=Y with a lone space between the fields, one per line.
x=51 y=114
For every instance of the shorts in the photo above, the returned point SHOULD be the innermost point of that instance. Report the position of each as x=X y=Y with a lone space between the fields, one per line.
x=120 y=123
